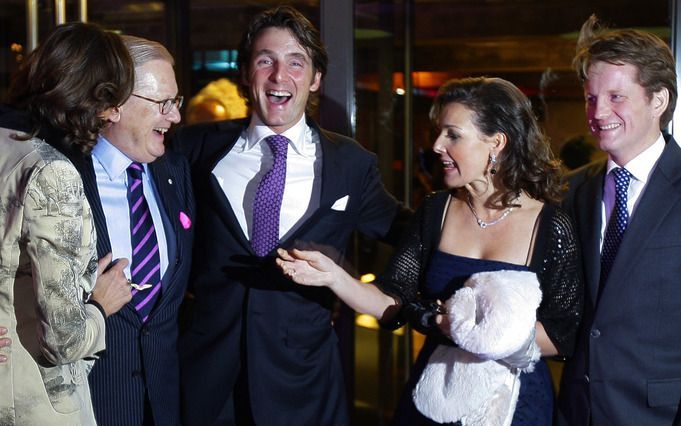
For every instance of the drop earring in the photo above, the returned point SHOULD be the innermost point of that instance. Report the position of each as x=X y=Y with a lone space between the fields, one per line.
x=493 y=163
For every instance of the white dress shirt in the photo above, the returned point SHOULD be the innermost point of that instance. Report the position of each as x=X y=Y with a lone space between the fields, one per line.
x=640 y=168
x=239 y=172
x=110 y=166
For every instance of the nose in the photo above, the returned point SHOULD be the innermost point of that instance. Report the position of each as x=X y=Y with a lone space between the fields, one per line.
x=438 y=145
x=601 y=109
x=277 y=73
x=174 y=115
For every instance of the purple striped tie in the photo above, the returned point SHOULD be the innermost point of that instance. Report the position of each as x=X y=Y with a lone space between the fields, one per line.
x=145 y=267
x=268 y=198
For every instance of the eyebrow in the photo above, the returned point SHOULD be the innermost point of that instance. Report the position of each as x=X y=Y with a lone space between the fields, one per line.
x=298 y=55
x=294 y=55
x=451 y=126
x=262 y=52
x=617 y=91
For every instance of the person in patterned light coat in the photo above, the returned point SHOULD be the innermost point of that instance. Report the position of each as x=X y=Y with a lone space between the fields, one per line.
x=51 y=308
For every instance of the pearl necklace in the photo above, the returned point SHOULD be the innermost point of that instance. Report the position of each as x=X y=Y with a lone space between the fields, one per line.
x=482 y=223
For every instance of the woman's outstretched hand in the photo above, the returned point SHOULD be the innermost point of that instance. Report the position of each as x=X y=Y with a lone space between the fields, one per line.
x=309 y=268
x=312 y=268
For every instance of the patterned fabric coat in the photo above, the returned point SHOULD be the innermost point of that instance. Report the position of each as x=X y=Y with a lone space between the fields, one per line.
x=47 y=267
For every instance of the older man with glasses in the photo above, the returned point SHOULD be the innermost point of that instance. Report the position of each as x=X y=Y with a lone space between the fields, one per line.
x=143 y=210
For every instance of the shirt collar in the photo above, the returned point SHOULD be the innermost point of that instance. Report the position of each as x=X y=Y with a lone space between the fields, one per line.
x=642 y=165
x=113 y=161
x=299 y=134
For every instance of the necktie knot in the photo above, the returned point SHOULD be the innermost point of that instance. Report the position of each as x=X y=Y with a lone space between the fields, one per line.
x=135 y=170
x=622 y=178
x=278 y=144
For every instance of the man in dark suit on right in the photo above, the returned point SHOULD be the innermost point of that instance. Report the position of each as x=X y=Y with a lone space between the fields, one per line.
x=626 y=369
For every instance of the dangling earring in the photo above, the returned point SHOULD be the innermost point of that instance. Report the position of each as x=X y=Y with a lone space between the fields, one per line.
x=493 y=163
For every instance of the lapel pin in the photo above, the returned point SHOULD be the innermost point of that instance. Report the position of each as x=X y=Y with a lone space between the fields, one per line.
x=185 y=221
x=170 y=181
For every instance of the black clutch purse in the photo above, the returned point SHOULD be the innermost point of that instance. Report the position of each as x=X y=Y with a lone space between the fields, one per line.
x=421 y=315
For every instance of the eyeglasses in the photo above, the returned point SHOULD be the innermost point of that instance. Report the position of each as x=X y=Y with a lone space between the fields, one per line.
x=166 y=105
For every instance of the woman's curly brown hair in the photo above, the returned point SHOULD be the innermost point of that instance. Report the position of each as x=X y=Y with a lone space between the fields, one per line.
x=77 y=73
x=526 y=163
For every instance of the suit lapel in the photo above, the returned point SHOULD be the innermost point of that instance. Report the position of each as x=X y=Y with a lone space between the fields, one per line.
x=661 y=194
x=332 y=171
x=225 y=142
x=589 y=200
x=226 y=212
x=332 y=181
x=168 y=201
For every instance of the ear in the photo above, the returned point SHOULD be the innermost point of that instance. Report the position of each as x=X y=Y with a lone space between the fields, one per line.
x=112 y=114
x=660 y=101
x=498 y=142
x=316 y=81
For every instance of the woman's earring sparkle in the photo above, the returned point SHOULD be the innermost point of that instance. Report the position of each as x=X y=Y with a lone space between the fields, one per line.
x=493 y=163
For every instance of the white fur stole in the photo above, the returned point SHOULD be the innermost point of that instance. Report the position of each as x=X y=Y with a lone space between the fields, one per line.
x=491 y=317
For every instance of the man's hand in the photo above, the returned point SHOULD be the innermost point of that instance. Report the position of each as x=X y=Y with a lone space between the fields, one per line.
x=112 y=289
x=4 y=341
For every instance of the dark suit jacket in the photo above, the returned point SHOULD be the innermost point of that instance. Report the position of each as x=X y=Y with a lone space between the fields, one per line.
x=626 y=369
x=141 y=356
x=247 y=314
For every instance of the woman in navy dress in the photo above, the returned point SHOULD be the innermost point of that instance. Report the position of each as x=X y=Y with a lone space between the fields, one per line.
x=499 y=214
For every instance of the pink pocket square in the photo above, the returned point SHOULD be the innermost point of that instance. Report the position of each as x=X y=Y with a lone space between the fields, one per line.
x=185 y=221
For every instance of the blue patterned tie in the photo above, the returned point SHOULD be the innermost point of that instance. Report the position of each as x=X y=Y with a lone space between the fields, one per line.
x=617 y=224
x=145 y=267
x=268 y=198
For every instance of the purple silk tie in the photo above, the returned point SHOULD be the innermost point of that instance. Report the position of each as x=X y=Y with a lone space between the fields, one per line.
x=145 y=267
x=268 y=197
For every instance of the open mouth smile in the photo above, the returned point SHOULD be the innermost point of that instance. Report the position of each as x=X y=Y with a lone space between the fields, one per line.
x=278 y=96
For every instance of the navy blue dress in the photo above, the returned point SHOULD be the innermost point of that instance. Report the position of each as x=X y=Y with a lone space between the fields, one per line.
x=446 y=274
